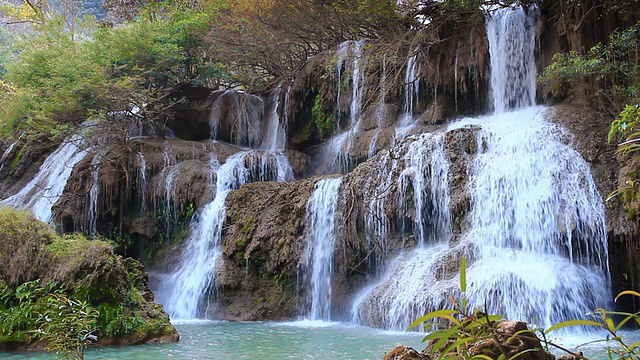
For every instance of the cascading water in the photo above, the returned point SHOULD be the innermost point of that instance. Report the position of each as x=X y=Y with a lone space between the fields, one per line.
x=193 y=281
x=44 y=190
x=188 y=291
x=411 y=92
x=380 y=109
x=536 y=234
x=141 y=180
x=242 y=113
x=92 y=199
x=536 y=222
x=339 y=147
x=411 y=83
x=275 y=136
x=341 y=57
x=320 y=237
x=426 y=178
x=512 y=40
x=403 y=294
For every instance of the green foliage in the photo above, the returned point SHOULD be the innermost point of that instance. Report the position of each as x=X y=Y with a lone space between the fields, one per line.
x=20 y=306
x=321 y=119
x=55 y=81
x=114 y=322
x=610 y=72
x=68 y=326
x=72 y=276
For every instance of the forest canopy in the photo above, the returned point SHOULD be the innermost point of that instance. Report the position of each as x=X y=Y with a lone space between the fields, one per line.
x=65 y=61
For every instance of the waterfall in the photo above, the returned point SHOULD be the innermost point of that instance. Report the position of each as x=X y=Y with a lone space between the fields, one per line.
x=320 y=237
x=511 y=33
x=215 y=114
x=535 y=238
x=44 y=190
x=377 y=222
x=242 y=113
x=411 y=94
x=6 y=154
x=381 y=111
x=536 y=222
x=274 y=137
x=411 y=83
x=170 y=172
x=191 y=285
x=426 y=179
x=423 y=190
x=339 y=146
x=92 y=199
x=141 y=182
x=357 y=82
x=341 y=57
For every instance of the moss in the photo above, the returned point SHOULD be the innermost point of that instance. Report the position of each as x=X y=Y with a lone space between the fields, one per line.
x=321 y=119
x=16 y=159
x=38 y=265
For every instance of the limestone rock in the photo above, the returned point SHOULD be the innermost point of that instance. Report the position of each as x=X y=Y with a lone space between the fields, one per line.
x=402 y=352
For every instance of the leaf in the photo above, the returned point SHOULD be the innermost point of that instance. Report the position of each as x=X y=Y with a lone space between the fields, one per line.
x=458 y=343
x=569 y=323
x=463 y=274
x=627 y=292
x=444 y=313
x=481 y=356
x=634 y=345
x=610 y=325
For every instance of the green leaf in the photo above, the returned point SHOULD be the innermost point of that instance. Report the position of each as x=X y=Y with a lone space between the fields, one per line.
x=569 y=323
x=458 y=343
x=444 y=313
x=463 y=274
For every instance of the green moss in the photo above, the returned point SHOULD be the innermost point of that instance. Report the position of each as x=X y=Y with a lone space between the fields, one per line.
x=73 y=268
x=16 y=159
x=248 y=226
x=321 y=119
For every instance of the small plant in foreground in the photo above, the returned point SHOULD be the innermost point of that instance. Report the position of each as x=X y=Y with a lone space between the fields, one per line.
x=68 y=326
x=460 y=333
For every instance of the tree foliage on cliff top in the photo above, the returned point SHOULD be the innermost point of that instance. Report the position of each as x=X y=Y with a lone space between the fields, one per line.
x=57 y=78
x=70 y=69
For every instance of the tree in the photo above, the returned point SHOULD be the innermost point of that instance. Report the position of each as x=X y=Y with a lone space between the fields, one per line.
x=609 y=75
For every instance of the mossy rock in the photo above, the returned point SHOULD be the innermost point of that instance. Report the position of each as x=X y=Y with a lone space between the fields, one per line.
x=36 y=264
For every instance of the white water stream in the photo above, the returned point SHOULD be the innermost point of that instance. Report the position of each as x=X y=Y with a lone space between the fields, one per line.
x=190 y=289
x=536 y=233
x=192 y=284
x=321 y=237
x=43 y=191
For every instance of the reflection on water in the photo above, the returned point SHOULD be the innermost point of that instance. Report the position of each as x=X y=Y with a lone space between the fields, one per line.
x=294 y=340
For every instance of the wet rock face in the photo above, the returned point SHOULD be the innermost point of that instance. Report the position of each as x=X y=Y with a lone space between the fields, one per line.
x=263 y=244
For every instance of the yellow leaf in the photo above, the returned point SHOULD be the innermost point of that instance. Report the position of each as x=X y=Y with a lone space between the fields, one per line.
x=627 y=292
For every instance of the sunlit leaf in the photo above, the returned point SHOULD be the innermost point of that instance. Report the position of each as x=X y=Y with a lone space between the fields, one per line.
x=627 y=292
x=570 y=323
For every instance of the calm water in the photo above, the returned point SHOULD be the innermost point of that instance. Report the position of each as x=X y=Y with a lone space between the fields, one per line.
x=265 y=341
x=221 y=340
